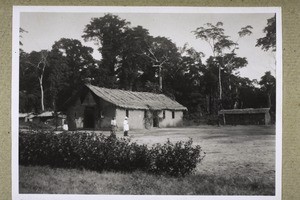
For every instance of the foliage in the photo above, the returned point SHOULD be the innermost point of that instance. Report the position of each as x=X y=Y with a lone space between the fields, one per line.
x=133 y=59
x=56 y=75
x=269 y=41
x=268 y=86
x=21 y=31
x=29 y=94
x=71 y=62
x=268 y=82
x=98 y=152
x=32 y=68
x=108 y=32
x=177 y=159
x=223 y=58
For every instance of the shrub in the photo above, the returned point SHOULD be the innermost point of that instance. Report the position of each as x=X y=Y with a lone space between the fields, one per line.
x=98 y=152
x=176 y=159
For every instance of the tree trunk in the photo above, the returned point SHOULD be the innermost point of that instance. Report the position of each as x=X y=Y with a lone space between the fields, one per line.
x=219 y=103
x=220 y=84
x=208 y=99
x=42 y=94
x=130 y=85
x=160 y=78
x=269 y=100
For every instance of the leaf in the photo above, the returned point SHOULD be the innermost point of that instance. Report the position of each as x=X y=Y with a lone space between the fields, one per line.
x=245 y=31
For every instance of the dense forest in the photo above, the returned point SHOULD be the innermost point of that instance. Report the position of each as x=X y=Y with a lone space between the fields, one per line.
x=132 y=59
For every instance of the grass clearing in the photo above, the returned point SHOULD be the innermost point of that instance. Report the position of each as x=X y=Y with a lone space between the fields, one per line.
x=240 y=160
x=64 y=181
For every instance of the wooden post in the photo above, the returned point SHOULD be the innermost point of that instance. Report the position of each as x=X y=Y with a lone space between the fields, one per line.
x=267 y=118
x=224 y=120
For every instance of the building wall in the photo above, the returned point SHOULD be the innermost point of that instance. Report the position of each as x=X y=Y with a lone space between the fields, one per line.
x=135 y=119
x=168 y=121
x=104 y=111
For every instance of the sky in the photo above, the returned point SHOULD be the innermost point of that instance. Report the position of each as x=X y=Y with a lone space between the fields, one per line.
x=44 y=28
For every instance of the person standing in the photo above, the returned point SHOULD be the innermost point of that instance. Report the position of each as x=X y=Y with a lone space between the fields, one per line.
x=126 y=126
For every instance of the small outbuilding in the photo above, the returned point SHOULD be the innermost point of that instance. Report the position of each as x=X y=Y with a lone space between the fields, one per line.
x=43 y=117
x=26 y=117
x=248 y=116
x=93 y=108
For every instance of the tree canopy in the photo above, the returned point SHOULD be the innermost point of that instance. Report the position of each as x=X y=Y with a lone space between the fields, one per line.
x=269 y=40
x=133 y=59
x=223 y=58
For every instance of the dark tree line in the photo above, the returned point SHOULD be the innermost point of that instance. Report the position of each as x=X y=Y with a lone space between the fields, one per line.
x=132 y=59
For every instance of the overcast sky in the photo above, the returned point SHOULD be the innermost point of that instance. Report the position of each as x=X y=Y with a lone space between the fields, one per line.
x=46 y=28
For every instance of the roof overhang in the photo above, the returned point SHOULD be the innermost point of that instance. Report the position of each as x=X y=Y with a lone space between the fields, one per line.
x=245 y=111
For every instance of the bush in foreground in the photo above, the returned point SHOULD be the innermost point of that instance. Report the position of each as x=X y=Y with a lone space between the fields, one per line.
x=99 y=152
x=176 y=159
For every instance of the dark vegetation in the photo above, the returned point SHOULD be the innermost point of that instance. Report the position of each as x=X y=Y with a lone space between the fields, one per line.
x=132 y=59
x=33 y=126
x=98 y=152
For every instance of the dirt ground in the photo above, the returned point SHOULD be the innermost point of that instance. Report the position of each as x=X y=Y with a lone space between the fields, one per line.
x=230 y=150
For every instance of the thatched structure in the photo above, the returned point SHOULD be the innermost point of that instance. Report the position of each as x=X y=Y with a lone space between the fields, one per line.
x=93 y=107
x=248 y=116
x=136 y=100
x=43 y=117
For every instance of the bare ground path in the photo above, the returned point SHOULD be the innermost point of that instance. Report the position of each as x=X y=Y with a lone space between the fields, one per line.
x=230 y=150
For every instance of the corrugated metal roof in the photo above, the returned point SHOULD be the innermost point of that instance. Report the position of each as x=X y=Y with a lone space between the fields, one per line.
x=245 y=111
x=136 y=100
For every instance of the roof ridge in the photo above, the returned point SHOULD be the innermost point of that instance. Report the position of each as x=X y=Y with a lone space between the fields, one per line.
x=135 y=100
x=123 y=90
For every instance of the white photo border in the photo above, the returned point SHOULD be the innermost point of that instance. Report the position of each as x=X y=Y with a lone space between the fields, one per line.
x=17 y=10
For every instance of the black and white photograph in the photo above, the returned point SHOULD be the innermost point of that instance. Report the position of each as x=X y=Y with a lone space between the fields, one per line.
x=155 y=102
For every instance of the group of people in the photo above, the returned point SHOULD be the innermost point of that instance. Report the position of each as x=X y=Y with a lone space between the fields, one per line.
x=114 y=126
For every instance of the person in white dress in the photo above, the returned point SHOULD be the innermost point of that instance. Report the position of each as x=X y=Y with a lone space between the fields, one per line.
x=126 y=126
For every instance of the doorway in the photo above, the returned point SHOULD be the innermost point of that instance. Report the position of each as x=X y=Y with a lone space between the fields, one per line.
x=155 y=119
x=89 y=117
